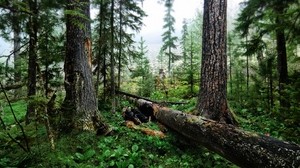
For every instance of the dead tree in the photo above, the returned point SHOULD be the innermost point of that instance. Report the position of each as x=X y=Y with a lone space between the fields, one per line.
x=245 y=149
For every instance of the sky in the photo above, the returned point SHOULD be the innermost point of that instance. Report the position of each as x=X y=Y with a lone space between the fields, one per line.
x=153 y=28
x=183 y=9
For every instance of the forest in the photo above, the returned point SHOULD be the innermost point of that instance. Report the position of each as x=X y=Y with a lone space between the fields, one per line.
x=79 y=90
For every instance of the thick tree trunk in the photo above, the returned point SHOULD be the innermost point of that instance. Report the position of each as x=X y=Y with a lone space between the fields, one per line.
x=212 y=101
x=281 y=60
x=80 y=107
x=243 y=148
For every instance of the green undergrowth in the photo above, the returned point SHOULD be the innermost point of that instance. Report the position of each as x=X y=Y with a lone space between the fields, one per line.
x=125 y=147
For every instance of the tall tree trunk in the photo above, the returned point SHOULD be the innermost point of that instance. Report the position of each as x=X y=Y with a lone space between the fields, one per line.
x=191 y=66
x=270 y=71
x=80 y=108
x=212 y=101
x=32 y=63
x=120 y=45
x=230 y=62
x=281 y=59
x=100 y=45
x=247 y=70
x=112 y=60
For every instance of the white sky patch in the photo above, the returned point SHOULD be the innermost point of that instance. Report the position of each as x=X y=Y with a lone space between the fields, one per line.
x=183 y=9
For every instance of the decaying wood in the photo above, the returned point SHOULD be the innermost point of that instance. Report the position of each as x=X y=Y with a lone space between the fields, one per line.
x=243 y=148
x=147 y=131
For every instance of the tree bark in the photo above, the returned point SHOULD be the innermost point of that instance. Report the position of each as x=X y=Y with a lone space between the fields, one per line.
x=32 y=62
x=212 y=101
x=281 y=58
x=245 y=149
x=80 y=107
x=112 y=60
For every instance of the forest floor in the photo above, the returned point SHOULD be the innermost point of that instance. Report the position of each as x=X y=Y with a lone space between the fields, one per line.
x=125 y=147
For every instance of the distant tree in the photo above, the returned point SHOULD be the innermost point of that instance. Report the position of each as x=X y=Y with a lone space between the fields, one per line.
x=168 y=37
x=12 y=21
x=102 y=47
x=126 y=15
x=212 y=100
x=143 y=71
x=130 y=16
x=191 y=49
x=80 y=110
x=183 y=40
x=270 y=17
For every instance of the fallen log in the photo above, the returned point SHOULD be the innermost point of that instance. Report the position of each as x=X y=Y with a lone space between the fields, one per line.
x=243 y=148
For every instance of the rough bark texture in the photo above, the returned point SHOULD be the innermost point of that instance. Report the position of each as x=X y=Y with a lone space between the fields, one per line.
x=212 y=102
x=243 y=148
x=80 y=109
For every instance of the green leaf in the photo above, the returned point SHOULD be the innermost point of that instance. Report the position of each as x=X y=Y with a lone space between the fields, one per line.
x=134 y=148
x=130 y=166
x=90 y=153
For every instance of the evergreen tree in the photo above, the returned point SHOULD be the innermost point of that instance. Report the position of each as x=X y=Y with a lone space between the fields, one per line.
x=168 y=38
x=80 y=104
x=127 y=15
x=143 y=71
x=212 y=100
x=270 y=18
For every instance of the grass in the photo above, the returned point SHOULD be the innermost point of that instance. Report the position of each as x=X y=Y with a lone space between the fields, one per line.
x=124 y=148
x=19 y=108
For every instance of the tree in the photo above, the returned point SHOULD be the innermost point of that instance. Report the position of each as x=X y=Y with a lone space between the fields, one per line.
x=143 y=71
x=112 y=59
x=167 y=37
x=183 y=41
x=269 y=18
x=126 y=15
x=80 y=110
x=212 y=100
x=32 y=60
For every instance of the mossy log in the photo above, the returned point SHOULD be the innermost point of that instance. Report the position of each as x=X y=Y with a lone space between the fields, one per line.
x=243 y=148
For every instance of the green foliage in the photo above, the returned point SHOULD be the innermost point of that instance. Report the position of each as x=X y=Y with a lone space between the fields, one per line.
x=168 y=37
x=19 y=108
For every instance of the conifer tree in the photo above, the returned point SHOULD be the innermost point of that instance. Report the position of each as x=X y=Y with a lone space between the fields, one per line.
x=168 y=37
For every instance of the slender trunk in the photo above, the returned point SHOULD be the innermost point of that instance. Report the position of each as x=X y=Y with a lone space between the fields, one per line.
x=247 y=69
x=230 y=64
x=99 y=47
x=191 y=65
x=104 y=73
x=120 y=45
x=32 y=63
x=46 y=85
x=112 y=60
